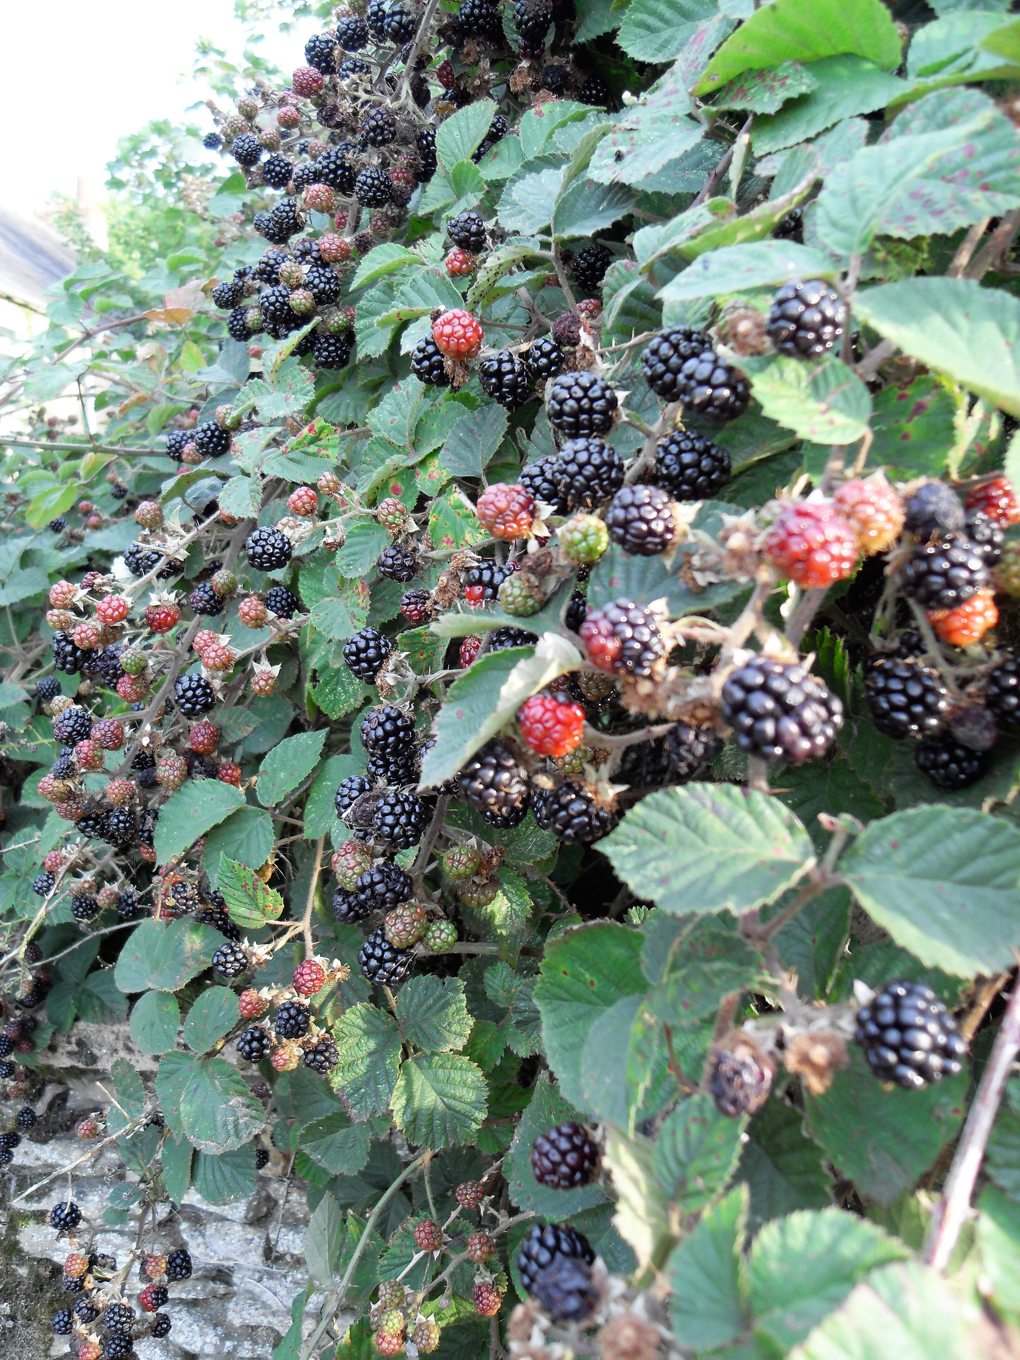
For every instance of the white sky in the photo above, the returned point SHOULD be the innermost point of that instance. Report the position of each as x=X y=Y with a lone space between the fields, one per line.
x=83 y=75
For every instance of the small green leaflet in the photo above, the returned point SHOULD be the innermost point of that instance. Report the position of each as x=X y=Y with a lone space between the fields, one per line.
x=250 y=903
x=287 y=765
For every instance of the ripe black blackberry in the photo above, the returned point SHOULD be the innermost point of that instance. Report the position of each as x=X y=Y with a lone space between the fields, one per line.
x=623 y=637
x=66 y=656
x=351 y=66
x=427 y=363
x=394 y=771
x=57 y=526
x=690 y=467
x=372 y=187
x=65 y=1216
x=292 y=1020
x=267 y=548
x=320 y=52
x=212 y=141
x=204 y=600
x=108 y=667
x=10 y=1140
x=532 y=19
x=566 y=1291
x=905 y=699
x=590 y=265
x=543 y=359
x=397 y=563
x=505 y=379
x=322 y=283
x=366 y=652
x=400 y=820
x=348 y=907
x=48 y=688
x=26 y=1117
x=161 y=1324
x=690 y=749
x=594 y=92
x=284 y=222
x=985 y=534
x=489 y=577
x=282 y=602
x=712 y=388
x=120 y=827
x=541 y=479
x=502 y=638
x=427 y=160
x=467 y=230
x=230 y=960
x=790 y=227
x=246 y=149
x=261 y=1158
x=349 y=791
x=543 y=1244
x=118 y=1317
x=227 y=295
x=118 y=1346
x=381 y=961
x=193 y=695
x=581 y=404
x=416 y=605
x=86 y=1311
x=383 y=887
x=588 y=471
x=780 y=711
x=332 y=351
x=42 y=884
x=321 y=1056
x=943 y=572
x=640 y=520
x=493 y=779
x=65 y=766
x=274 y=304
x=909 y=1037
x=934 y=508
x=63 y=1321
x=268 y=267
x=572 y=813
x=73 y=725
x=806 y=319
x=352 y=33
x=237 y=325
x=387 y=730
x=401 y=25
x=334 y=168
x=1002 y=691
x=302 y=176
x=565 y=1157
x=276 y=173
x=379 y=127
x=480 y=19
x=498 y=129
x=128 y=908
x=948 y=763
x=92 y=825
x=178 y=1265
x=665 y=356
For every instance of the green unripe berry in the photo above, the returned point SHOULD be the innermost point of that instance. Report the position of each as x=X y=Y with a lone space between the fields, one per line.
x=132 y=661
x=440 y=936
x=584 y=539
x=518 y=598
x=461 y=861
x=302 y=302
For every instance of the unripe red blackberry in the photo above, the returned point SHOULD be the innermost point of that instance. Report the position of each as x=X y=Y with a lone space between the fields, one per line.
x=873 y=510
x=406 y=925
x=457 y=334
x=968 y=622
x=428 y=1235
x=624 y=638
x=812 y=544
x=550 y=727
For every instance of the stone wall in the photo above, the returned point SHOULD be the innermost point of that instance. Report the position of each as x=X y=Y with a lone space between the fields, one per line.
x=248 y=1262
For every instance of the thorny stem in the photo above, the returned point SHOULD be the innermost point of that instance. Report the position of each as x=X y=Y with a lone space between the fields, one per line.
x=928 y=633
x=416 y=46
x=336 y=1296
x=428 y=841
x=803 y=614
x=715 y=178
x=967 y=247
x=994 y=249
x=66 y=1170
x=953 y=1208
x=306 y=920
x=65 y=447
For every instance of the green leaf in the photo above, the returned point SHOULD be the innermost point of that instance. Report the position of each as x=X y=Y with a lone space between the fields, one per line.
x=545 y=1110
x=604 y=1057
x=324 y=1242
x=249 y=901
x=1002 y=1159
x=130 y=1093
x=247 y=835
x=824 y=402
x=287 y=765
x=225 y=1178
x=955 y=326
x=529 y=199
x=473 y=441
x=587 y=207
x=21 y=584
x=617 y=575
x=335 y=1144
x=945 y=883
x=369 y=1045
x=176 y=1156
x=192 y=811
x=708 y=848
x=805 y=30
x=433 y=1014
x=759 y=264
x=649 y=133
x=901 y=1312
x=452 y=519
x=585 y=971
x=696 y=1152
x=781 y=1165
x=766 y=91
x=481 y=701
x=914 y=429
x=241 y=497
x=998 y=1235
x=382 y=260
x=212 y=1016
x=537 y=126
x=365 y=541
x=906 y=1130
x=704 y=1271
x=439 y=1100
x=658 y=30
x=804 y=1266
x=946 y=162
x=165 y=957
x=844 y=87
x=212 y=1102
x=463 y=133
x=154 y=1022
